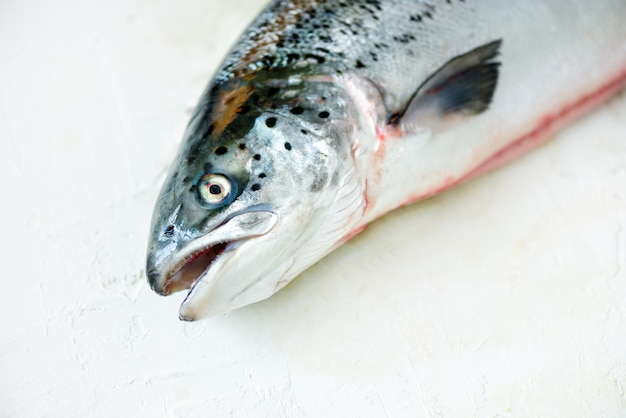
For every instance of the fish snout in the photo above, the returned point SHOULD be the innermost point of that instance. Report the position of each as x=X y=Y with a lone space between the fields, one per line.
x=153 y=276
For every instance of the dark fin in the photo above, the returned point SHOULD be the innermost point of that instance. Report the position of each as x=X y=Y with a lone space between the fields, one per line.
x=463 y=87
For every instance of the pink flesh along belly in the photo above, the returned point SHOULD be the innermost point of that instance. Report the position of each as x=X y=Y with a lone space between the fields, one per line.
x=546 y=126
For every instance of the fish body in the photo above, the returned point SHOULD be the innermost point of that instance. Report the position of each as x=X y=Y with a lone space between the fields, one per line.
x=328 y=114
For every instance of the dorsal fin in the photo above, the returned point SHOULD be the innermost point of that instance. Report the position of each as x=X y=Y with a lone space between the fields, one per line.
x=462 y=87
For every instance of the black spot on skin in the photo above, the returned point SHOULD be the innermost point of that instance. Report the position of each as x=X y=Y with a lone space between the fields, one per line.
x=262 y=175
x=169 y=231
x=320 y=60
x=192 y=188
x=404 y=39
x=186 y=179
x=257 y=157
x=270 y=122
x=190 y=160
x=268 y=60
x=298 y=110
x=221 y=150
x=272 y=91
x=242 y=146
x=359 y=64
x=375 y=4
x=255 y=187
x=304 y=131
x=324 y=114
x=287 y=146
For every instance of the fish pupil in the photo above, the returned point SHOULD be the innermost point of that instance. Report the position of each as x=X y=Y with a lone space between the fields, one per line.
x=215 y=189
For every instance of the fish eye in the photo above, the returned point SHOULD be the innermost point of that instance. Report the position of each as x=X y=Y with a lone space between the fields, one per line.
x=216 y=189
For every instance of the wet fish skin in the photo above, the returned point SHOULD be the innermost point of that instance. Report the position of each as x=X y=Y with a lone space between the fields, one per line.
x=322 y=118
x=286 y=164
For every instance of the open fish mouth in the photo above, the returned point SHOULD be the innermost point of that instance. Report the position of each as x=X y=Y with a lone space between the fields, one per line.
x=194 y=267
x=200 y=257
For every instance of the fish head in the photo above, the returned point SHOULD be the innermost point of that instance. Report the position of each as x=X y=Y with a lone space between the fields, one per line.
x=247 y=209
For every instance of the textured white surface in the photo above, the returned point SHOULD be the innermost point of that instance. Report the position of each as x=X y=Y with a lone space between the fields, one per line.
x=503 y=297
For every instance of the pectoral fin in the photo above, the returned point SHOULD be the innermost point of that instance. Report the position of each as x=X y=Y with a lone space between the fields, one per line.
x=463 y=87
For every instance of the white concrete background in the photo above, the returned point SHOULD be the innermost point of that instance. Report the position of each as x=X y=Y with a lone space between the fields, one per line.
x=504 y=297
